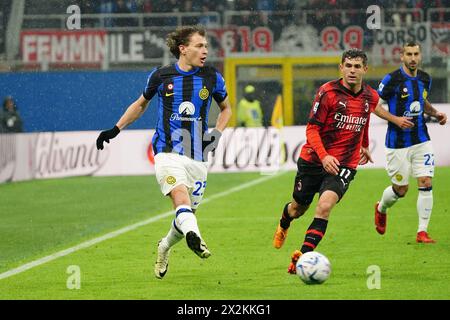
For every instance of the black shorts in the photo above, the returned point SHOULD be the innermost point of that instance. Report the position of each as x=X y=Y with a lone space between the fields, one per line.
x=312 y=178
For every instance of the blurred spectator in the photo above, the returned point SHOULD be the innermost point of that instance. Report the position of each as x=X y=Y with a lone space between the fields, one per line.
x=350 y=14
x=241 y=5
x=156 y=6
x=88 y=7
x=170 y=6
x=217 y=5
x=248 y=14
x=265 y=8
x=147 y=6
x=402 y=17
x=159 y=6
x=10 y=120
x=107 y=7
x=266 y=5
x=188 y=7
x=314 y=16
x=282 y=16
x=121 y=7
x=333 y=11
x=207 y=19
x=132 y=6
x=249 y=109
x=244 y=5
x=437 y=15
x=286 y=7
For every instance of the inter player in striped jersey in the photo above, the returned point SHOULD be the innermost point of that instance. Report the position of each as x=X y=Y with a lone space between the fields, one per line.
x=409 y=152
x=181 y=143
x=337 y=141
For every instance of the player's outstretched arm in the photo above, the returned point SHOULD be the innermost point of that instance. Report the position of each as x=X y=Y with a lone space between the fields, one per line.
x=402 y=122
x=430 y=110
x=133 y=112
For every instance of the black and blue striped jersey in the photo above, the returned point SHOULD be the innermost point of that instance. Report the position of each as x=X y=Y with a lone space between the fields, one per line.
x=184 y=100
x=405 y=96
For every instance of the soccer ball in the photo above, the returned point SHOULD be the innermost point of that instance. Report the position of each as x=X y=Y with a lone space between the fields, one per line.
x=313 y=268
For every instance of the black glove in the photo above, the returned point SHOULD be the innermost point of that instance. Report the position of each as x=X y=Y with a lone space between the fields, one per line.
x=106 y=135
x=211 y=140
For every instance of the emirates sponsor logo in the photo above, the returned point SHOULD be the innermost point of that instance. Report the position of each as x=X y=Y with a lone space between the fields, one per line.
x=349 y=122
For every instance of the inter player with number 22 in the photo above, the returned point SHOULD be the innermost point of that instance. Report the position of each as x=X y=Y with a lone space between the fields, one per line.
x=337 y=141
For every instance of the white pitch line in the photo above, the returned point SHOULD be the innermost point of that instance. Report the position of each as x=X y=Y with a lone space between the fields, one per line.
x=126 y=229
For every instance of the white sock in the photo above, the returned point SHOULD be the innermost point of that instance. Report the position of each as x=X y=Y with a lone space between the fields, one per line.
x=186 y=220
x=388 y=199
x=424 y=207
x=173 y=237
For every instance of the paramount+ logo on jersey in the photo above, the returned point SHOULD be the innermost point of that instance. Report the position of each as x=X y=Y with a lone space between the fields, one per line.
x=349 y=122
x=415 y=110
x=185 y=111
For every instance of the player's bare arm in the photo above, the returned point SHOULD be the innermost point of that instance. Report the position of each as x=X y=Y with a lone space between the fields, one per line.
x=365 y=156
x=133 y=112
x=402 y=122
x=364 y=151
x=224 y=115
x=431 y=111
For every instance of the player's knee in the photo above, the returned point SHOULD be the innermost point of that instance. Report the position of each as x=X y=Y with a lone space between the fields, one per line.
x=179 y=196
x=296 y=210
x=424 y=182
x=323 y=209
x=400 y=191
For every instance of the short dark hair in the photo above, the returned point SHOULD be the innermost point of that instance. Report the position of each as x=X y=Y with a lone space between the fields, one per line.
x=354 y=53
x=181 y=36
x=410 y=43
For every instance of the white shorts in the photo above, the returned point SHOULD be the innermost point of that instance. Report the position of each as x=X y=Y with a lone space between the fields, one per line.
x=172 y=170
x=416 y=161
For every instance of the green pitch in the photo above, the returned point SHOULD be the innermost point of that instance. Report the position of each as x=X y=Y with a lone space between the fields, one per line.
x=40 y=218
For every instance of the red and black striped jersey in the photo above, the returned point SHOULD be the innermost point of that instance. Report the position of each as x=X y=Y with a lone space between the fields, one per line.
x=342 y=117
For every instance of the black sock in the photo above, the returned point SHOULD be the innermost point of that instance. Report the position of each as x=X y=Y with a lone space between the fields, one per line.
x=314 y=234
x=285 y=220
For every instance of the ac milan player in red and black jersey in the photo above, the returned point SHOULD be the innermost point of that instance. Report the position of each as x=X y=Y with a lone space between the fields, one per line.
x=337 y=142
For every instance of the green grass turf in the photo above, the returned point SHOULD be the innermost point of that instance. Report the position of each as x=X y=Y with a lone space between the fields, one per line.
x=42 y=217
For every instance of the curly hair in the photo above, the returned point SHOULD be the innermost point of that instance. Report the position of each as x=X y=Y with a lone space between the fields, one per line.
x=182 y=36
x=354 y=53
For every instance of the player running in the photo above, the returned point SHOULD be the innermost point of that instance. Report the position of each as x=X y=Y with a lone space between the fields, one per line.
x=337 y=141
x=409 y=152
x=181 y=142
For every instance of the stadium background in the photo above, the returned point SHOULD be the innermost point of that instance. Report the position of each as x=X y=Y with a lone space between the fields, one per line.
x=70 y=83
